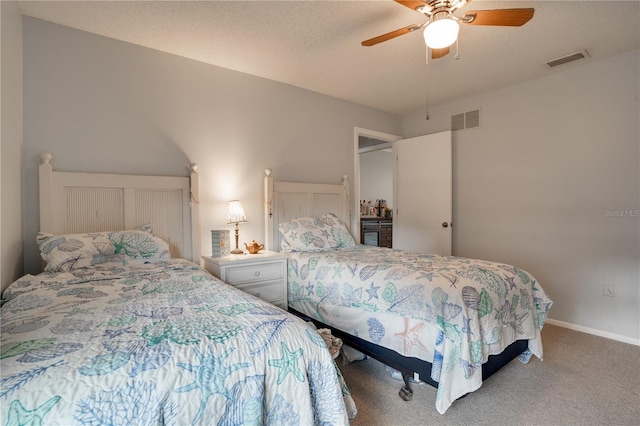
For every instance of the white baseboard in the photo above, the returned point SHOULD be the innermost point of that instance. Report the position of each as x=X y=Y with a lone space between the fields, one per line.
x=594 y=331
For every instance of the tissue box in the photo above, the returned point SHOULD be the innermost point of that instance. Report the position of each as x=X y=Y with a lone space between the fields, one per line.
x=220 y=243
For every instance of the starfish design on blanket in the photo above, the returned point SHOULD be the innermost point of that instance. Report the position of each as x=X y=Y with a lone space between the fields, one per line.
x=310 y=288
x=288 y=363
x=511 y=281
x=411 y=336
x=209 y=377
x=373 y=291
x=18 y=415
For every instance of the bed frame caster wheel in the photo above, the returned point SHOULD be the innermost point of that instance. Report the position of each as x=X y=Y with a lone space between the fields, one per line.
x=406 y=394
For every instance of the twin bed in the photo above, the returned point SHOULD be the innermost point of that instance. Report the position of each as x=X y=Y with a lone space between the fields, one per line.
x=120 y=330
x=451 y=322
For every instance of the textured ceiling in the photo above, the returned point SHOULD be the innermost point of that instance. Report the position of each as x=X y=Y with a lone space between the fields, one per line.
x=316 y=44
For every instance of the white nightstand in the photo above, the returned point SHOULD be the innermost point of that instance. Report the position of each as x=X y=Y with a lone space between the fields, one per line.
x=263 y=274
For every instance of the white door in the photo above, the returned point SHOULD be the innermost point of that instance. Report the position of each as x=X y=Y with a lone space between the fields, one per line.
x=423 y=194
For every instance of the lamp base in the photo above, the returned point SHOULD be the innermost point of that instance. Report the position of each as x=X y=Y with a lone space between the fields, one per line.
x=237 y=251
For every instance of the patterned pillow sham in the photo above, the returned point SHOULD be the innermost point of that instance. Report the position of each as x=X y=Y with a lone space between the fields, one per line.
x=73 y=251
x=315 y=234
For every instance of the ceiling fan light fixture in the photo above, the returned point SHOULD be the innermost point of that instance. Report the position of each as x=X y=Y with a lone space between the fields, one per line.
x=441 y=32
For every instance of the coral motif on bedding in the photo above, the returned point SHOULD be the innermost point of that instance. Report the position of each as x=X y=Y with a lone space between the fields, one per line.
x=209 y=377
x=136 y=400
x=452 y=312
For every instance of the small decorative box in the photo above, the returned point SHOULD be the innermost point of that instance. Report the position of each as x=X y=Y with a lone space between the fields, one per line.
x=220 y=243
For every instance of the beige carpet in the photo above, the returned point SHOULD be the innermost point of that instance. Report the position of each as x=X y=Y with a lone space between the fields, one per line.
x=583 y=380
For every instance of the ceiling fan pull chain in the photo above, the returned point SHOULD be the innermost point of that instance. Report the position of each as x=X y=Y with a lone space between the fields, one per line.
x=427 y=79
x=457 y=49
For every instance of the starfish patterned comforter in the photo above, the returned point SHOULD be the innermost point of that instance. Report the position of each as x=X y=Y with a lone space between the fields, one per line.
x=452 y=312
x=158 y=341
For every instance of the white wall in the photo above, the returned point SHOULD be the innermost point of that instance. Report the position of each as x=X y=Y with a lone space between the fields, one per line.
x=539 y=185
x=376 y=176
x=97 y=104
x=11 y=247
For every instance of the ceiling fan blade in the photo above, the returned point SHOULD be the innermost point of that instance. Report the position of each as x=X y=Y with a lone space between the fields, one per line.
x=499 y=17
x=392 y=34
x=413 y=5
x=439 y=53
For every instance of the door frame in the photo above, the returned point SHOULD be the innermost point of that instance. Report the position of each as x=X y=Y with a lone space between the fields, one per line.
x=355 y=202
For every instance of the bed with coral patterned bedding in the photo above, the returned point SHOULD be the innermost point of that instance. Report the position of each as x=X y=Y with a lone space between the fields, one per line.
x=448 y=311
x=122 y=334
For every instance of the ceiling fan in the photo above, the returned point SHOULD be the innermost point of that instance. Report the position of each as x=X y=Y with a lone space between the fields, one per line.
x=441 y=30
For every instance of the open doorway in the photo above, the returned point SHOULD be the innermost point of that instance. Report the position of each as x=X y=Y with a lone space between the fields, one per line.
x=373 y=171
x=422 y=190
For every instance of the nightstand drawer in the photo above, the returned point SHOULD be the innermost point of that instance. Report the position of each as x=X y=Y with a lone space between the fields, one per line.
x=263 y=275
x=268 y=291
x=249 y=273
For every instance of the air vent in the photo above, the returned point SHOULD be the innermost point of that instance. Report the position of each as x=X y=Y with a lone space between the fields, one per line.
x=457 y=122
x=466 y=120
x=583 y=54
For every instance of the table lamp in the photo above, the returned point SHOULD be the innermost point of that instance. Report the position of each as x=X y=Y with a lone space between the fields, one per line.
x=236 y=215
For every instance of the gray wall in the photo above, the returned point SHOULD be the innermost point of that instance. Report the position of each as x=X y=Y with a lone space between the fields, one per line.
x=11 y=247
x=97 y=104
x=542 y=182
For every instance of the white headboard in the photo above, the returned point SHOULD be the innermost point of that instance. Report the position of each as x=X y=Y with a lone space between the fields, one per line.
x=284 y=201
x=73 y=203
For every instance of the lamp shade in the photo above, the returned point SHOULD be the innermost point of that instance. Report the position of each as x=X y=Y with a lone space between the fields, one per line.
x=236 y=212
x=441 y=33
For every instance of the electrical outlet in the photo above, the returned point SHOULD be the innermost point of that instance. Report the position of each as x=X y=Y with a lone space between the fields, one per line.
x=607 y=289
